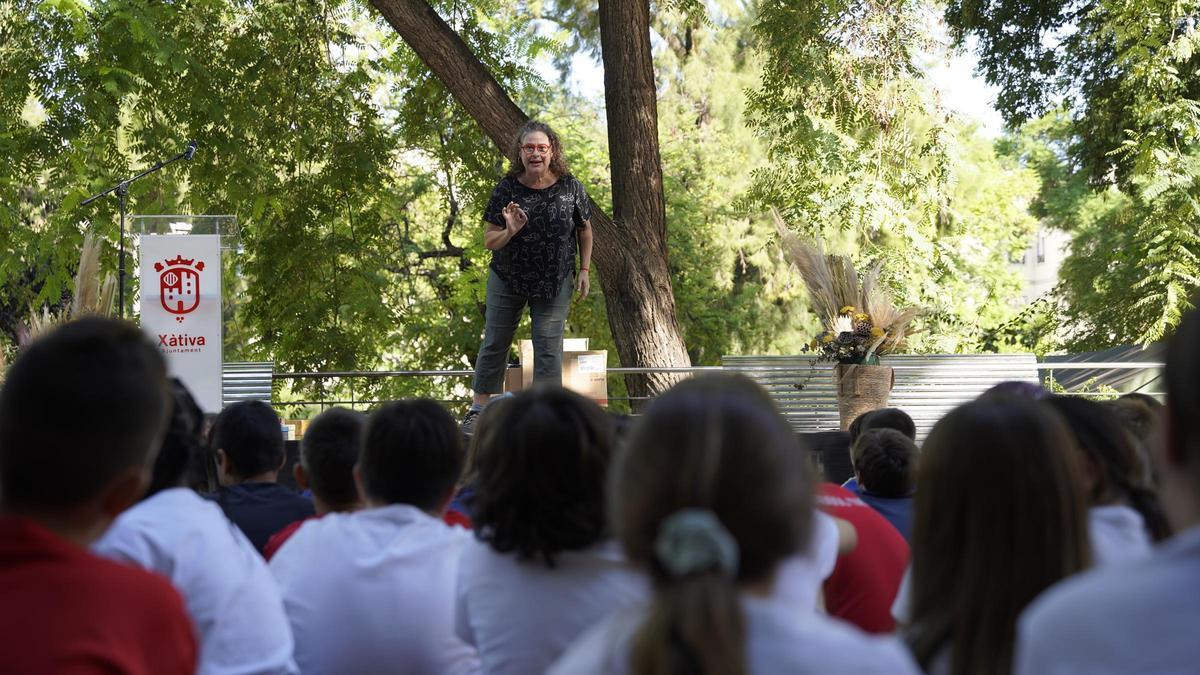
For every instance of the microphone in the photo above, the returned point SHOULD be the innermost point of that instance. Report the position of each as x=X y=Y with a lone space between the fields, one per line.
x=191 y=150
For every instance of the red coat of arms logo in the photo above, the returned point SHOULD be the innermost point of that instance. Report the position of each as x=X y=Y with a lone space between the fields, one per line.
x=179 y=285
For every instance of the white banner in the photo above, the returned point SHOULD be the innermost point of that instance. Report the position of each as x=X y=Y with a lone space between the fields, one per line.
x=180 y=278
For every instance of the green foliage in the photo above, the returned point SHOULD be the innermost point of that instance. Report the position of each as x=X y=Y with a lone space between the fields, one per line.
x=1120 y=163
x=358 y=210
x=863 y=157
x=359 y=183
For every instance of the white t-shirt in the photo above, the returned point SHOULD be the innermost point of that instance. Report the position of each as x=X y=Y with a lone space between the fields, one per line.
x=1117 y=534
x=800 y=577
x=1138 y=617
x=778 y=640
x=229 y=593
x=522 y=614
x=373 y=592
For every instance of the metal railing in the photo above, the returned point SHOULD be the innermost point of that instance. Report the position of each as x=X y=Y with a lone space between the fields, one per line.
x=354 y=401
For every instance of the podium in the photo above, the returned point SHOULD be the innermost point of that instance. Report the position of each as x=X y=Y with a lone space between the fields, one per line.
x=179 y=299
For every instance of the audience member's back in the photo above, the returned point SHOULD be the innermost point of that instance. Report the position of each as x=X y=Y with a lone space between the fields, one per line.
x=81 y=412
x=864 y=581
x=710 y=497
x=1124 y=516
x=544 y=568
x=230 y=595
x=373 y=591
x=883 y=461
x=328 y=453
x=1137 y=617
x=250 y=454
x=999 y=517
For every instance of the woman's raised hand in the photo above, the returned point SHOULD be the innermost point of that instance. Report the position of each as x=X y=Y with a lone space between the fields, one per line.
x=514 y=217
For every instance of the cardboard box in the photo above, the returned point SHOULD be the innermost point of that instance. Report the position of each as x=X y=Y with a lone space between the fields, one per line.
x=513 y=379
x=584 y=371
x=298 y=427
x=525 y=351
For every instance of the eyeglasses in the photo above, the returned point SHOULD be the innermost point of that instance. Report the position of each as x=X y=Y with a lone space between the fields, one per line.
x=541 y=147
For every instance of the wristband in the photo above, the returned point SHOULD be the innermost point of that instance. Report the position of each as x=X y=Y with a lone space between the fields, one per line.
x=583 y=269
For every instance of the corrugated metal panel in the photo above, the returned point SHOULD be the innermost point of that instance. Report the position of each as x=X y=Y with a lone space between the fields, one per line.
x=927 y=387
x=246 y=381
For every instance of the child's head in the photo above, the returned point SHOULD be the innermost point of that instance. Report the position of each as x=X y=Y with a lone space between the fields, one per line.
x=82 y=412
x=540 y=464
x=883 y=418
x=248 y=438
x=883 y=462
x=328 y=452
x=412 y=453
x=710 y=495
x=1113 y=471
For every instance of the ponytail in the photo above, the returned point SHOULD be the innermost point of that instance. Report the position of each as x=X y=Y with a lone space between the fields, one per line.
x=695 y=625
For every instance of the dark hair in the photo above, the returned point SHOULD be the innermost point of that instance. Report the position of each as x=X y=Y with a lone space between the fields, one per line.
x=1182 y=374
x=999 y=518
x=856 y=426
x=622 y=425
x=888 y=418
x=1144 y=422
x=328 y=452
x=412 y=453
x=203 y=475
x=1032 y=391
x=833 y=447
x=79 y=406
x=1145 y=399
x=884 y=459
x=541 y=465
x=1139 y=418
x=1119 y=470
x=558 y=162
x=250 y=434
x=717 y=443
x=485 y=431
x=181 y=445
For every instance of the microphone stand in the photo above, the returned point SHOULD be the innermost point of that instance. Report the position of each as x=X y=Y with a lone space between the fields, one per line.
x=122 y=190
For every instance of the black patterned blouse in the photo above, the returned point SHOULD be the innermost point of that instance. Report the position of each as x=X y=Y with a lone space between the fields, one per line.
x=542 y=255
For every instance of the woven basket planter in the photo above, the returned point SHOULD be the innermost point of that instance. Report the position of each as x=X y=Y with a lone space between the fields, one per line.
x=861 y=389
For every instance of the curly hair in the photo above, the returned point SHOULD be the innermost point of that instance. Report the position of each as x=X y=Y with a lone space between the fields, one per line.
x=558 y=162
x=540 y=468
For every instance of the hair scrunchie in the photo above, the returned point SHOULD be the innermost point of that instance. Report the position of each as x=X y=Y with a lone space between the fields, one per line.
x=693 y=541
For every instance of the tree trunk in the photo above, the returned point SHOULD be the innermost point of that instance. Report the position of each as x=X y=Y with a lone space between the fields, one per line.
x=630 y=253
x=644 y=303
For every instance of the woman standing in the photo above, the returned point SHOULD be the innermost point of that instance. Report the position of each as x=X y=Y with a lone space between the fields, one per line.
x=535 y=218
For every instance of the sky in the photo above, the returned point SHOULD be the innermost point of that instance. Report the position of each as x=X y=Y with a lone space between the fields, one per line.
x=962 y=90
x=965 y=92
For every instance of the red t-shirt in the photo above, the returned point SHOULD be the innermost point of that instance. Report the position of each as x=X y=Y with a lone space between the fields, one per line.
x=66 y=611
x=864 y=582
